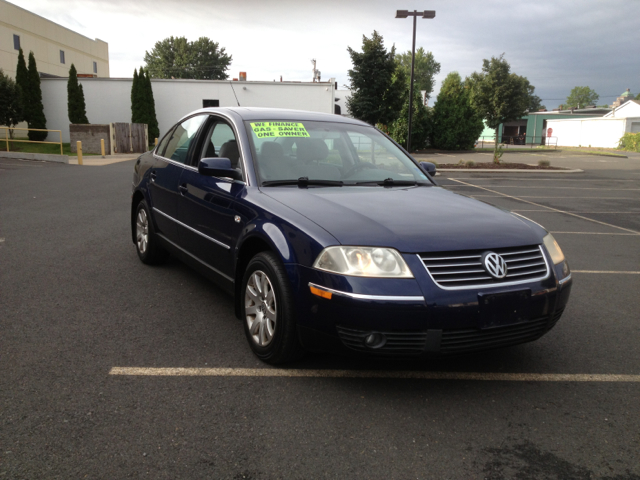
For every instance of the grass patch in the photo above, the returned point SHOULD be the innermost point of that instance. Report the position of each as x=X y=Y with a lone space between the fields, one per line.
x=509 y=149
x=589 y=151
x=47 y=148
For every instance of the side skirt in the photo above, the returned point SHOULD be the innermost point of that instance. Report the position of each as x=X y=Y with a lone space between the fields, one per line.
x=223 y=281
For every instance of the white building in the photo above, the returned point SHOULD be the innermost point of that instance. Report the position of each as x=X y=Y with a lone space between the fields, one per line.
x=108 y=100
x=54 y=47
x=603 y=132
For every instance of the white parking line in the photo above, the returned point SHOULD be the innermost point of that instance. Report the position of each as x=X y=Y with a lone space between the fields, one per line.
x=529 y=179
x=594 y=233
x=547 y=211
x=556 y=188
x=606 y=271
x=535 y=196
x=550 y=208
x=267 y=372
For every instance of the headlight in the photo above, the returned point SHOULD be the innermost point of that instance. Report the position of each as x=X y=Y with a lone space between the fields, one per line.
x=554 y=249
x=363 y=262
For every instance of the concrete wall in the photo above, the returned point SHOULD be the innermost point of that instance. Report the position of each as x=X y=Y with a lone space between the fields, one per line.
x=109 y=100
x=594 y=132
x=90 y=136
x=46 y=38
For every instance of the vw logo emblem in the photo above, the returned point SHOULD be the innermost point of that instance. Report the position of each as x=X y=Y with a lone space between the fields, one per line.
x=495 y=265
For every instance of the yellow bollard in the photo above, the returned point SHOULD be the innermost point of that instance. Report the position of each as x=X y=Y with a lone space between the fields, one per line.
x=102 y=146
x=79 y=147
x=156 y=140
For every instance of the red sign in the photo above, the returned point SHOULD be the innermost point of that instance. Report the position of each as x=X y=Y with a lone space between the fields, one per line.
x=549 y=131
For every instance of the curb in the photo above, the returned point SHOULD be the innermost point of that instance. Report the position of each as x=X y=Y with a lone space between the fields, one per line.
x=506 y=170
x=47 y=157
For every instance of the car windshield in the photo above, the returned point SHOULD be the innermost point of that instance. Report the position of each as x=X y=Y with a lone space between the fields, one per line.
x=333 y=153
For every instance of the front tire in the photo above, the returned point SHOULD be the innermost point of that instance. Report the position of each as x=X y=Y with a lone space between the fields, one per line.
x=149 y=251
x=268 y=312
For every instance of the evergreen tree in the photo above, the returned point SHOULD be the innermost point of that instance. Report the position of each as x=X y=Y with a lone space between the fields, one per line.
x=33 y=98
x=10 y=102
x=420 y=123
x=75 y=99
x=151 y=119
x=371 y=79
x=456 y=124
x=22 y=81
x=135 y=98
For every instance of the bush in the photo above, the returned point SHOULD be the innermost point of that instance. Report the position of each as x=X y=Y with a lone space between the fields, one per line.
x=630 y=142
x=544 y=163
x=470 y=163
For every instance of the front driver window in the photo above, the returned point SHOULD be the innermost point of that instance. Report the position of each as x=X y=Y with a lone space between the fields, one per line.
x=222 y=142
x=183 y=135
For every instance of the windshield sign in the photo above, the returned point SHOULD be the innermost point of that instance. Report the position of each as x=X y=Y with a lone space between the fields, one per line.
x=278 y=129
x=317 y=152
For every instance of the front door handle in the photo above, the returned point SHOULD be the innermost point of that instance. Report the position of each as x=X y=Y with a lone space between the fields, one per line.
x=153 y=175
x=183 y=189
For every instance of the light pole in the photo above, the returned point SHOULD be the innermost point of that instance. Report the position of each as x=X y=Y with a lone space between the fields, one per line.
x=415 y=14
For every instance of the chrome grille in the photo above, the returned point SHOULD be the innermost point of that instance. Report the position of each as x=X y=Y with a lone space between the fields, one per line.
x=464 y=269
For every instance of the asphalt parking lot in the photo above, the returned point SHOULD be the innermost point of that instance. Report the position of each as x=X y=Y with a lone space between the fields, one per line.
x=113 y=369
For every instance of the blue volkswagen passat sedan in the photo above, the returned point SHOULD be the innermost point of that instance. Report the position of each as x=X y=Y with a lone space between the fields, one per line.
x=331 y=237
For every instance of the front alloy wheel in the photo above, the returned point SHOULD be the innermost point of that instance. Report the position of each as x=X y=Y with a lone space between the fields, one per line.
x=268 y=310
x=260 y=308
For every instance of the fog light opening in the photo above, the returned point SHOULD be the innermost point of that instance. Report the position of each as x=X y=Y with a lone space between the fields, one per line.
x=375 y=340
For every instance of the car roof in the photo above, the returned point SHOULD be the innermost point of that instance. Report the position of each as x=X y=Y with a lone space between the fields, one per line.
x=258 y=113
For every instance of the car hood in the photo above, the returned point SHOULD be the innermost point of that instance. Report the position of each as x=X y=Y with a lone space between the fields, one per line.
x=412 y=220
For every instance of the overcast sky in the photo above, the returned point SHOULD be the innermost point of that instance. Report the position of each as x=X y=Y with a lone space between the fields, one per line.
x=556 y=44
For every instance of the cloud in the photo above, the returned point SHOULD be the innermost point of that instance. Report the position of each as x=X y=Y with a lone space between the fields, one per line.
x=556 y=45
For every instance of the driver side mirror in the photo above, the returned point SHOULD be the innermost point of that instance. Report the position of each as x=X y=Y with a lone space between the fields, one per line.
x=218 y=167
x=428 y=167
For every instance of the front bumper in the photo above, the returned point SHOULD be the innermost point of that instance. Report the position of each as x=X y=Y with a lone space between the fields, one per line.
x=417 y=318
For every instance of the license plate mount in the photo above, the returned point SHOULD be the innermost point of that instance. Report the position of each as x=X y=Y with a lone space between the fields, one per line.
x=506 y=308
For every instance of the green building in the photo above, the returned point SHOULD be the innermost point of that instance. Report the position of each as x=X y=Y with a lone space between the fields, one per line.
x=532 y=128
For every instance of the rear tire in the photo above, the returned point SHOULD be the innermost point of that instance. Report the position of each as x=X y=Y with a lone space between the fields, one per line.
x=268 y=311
x=149 y=251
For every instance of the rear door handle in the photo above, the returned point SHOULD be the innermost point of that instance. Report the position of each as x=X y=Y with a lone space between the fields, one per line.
x=183 y=189
x=153 y=175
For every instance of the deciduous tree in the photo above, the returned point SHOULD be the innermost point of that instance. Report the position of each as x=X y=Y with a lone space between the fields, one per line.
x=498 y=95
x=456 y=124
x=424 y=71
x=420 y=123
x=177 y=57
x=373 y=96
x=76 y=107
x=581 y=97
x=10 y=102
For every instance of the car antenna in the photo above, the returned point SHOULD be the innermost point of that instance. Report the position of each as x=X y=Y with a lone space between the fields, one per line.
x=234 y=92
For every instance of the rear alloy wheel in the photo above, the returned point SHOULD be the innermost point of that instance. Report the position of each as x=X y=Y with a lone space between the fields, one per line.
x=268 y=310
x=146 y=242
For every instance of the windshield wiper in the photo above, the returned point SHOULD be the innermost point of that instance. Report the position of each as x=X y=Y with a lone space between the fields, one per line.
x=390 y=182
x=303 y=182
